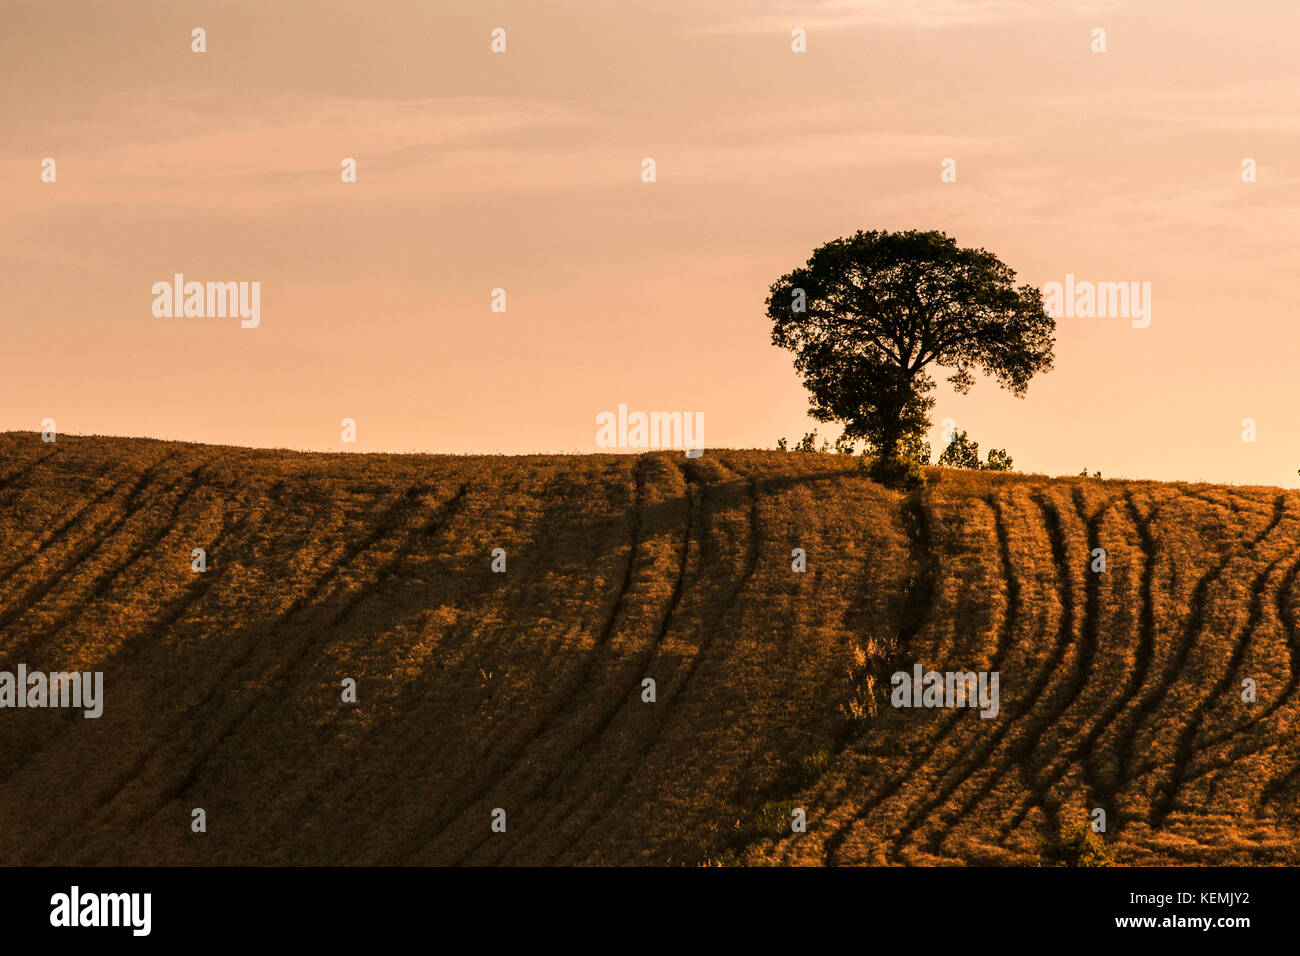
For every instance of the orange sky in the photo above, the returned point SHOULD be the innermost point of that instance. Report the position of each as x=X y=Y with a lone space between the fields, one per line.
x=522 y=171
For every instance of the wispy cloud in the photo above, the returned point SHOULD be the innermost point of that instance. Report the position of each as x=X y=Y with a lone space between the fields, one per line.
x=203 y=150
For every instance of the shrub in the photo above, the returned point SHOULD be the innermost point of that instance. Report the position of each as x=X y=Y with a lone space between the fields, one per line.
x=898 y=473
x=915 y=449
x=961 y=452
x=1075 y=845
x=809 y=443
x=903 y=472
x=998 y=460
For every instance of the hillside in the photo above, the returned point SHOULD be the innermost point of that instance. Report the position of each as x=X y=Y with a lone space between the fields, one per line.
x=523 y=690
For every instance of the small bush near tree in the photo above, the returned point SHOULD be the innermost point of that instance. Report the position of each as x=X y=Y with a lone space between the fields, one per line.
x=961 y=452
x=903 y=471
x=998 y=460
x=809 y=443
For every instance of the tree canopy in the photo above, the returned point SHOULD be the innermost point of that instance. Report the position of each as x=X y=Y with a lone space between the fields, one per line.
x=869 y=314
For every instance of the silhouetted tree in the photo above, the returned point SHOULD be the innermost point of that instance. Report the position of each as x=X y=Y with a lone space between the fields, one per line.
x=869 y=314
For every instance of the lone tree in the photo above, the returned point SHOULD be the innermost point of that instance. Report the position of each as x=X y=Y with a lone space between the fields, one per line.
x=868 y=315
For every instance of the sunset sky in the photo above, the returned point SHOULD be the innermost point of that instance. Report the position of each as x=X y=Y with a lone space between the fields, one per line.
x=522 y=171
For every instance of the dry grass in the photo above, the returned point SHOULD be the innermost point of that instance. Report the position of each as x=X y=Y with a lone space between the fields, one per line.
x=523 y=690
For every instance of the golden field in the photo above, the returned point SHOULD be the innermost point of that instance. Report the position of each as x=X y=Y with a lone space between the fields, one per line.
x=523 y=690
